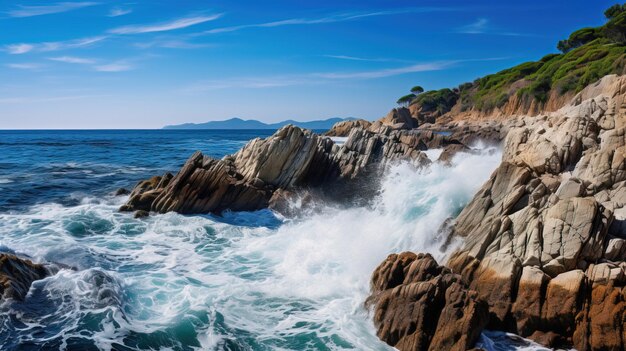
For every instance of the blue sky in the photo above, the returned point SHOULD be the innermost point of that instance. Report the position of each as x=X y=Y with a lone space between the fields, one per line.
x=145 y=64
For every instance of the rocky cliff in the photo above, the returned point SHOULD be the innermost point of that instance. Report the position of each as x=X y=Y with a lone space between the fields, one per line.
x=544 y=241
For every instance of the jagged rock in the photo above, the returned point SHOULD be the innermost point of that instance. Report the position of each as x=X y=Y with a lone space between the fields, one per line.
x=396 y=119
x=17 y=275
x=290 y=159
x=122 y=191
x=343 y=128
x=141 y=214
x=470 y=134
x=420 y=305
x=450 y=151
x=544 y=238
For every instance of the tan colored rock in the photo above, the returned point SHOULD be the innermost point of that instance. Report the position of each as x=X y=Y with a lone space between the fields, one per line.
x=527 y=307
x=396 y=119
x=562 y=301
x=343 y=128
x=419 y=305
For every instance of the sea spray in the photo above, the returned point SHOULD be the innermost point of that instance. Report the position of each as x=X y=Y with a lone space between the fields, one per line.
x=242 y=281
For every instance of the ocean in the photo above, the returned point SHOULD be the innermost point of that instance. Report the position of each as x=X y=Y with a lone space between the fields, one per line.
x=240 y=281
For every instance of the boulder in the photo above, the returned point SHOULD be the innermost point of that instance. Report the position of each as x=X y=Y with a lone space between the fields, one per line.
x=419 y=305
x=396 y=119
x=343 y=128
x=17 y=275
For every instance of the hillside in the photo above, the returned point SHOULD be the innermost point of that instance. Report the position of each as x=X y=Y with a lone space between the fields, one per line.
x=238 y=123
x=531 y=87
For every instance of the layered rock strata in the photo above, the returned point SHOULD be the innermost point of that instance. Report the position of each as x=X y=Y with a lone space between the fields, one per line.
x=17 y=275
x=290 y=159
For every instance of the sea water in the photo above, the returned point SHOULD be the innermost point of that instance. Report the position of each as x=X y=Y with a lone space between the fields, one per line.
x=240 y=281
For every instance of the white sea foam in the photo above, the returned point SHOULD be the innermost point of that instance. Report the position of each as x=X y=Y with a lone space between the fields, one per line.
x=242 y=278
x=339 y=140
x=433 y=154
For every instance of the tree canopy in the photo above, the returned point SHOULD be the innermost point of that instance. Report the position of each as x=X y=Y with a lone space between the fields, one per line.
x=417 y=90
x=406 y=99
x=614 y=11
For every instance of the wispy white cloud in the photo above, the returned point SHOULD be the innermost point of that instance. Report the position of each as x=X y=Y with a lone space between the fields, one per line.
x=364 y=59
x=119 y=66
x=119 y=11
x=311 y=78
x=30 y=11
x=477 y=27
x=326 y=19
x=25 y=66
x=482 y=26
x=23 y=48
x=420 y=67
x=167 y=26
x=249 y=83
x=325 y=77
x=73 y=60
x=30 y=100
x=16 y=49
x=172 y=43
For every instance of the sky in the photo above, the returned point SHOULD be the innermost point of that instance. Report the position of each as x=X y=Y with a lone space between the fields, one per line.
x=146 y=64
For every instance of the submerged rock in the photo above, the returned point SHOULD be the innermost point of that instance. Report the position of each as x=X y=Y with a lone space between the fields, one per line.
x=419 y=305
x=17 y=275
x=122 y=191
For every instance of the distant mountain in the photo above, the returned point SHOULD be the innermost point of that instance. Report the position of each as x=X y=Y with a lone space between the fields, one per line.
x=238 y=123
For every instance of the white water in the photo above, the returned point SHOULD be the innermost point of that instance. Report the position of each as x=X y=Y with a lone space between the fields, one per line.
x=246 y=278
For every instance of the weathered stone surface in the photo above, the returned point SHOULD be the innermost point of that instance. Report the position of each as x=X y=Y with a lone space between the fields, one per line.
x=17 y=275
x=420 y=305
x=343 y=128
x=398 y=118
x=530 y=296
x=544 y=238
x=290 y=159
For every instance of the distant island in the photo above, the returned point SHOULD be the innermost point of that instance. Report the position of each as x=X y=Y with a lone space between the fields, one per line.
x=238 y=123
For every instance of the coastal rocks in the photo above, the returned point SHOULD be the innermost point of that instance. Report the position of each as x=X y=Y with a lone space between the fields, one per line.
x=291 y=159
x=544 y=239
x=17 y=275
x=396 y=119
x=419 y=305
x=121 y=192
x=343 y=128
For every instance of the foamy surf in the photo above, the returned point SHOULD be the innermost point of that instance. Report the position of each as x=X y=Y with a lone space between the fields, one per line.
x=242 y=281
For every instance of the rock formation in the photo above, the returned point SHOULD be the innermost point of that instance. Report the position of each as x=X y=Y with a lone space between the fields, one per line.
x=17 y=275
x=396 y=119
x=290 y=159
x=343 y=128
x=544 y=241
x=420 y=305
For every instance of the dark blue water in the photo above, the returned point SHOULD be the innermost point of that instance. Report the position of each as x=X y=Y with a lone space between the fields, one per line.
x=62 y=165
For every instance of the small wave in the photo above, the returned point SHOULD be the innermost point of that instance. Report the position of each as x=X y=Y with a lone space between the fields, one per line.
x=5 y=181
x=501 y=341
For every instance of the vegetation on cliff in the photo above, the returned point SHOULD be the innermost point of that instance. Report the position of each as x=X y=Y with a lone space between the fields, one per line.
x=586 y=56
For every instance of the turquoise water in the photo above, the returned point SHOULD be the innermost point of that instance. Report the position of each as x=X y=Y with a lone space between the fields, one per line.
x=243 y=281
